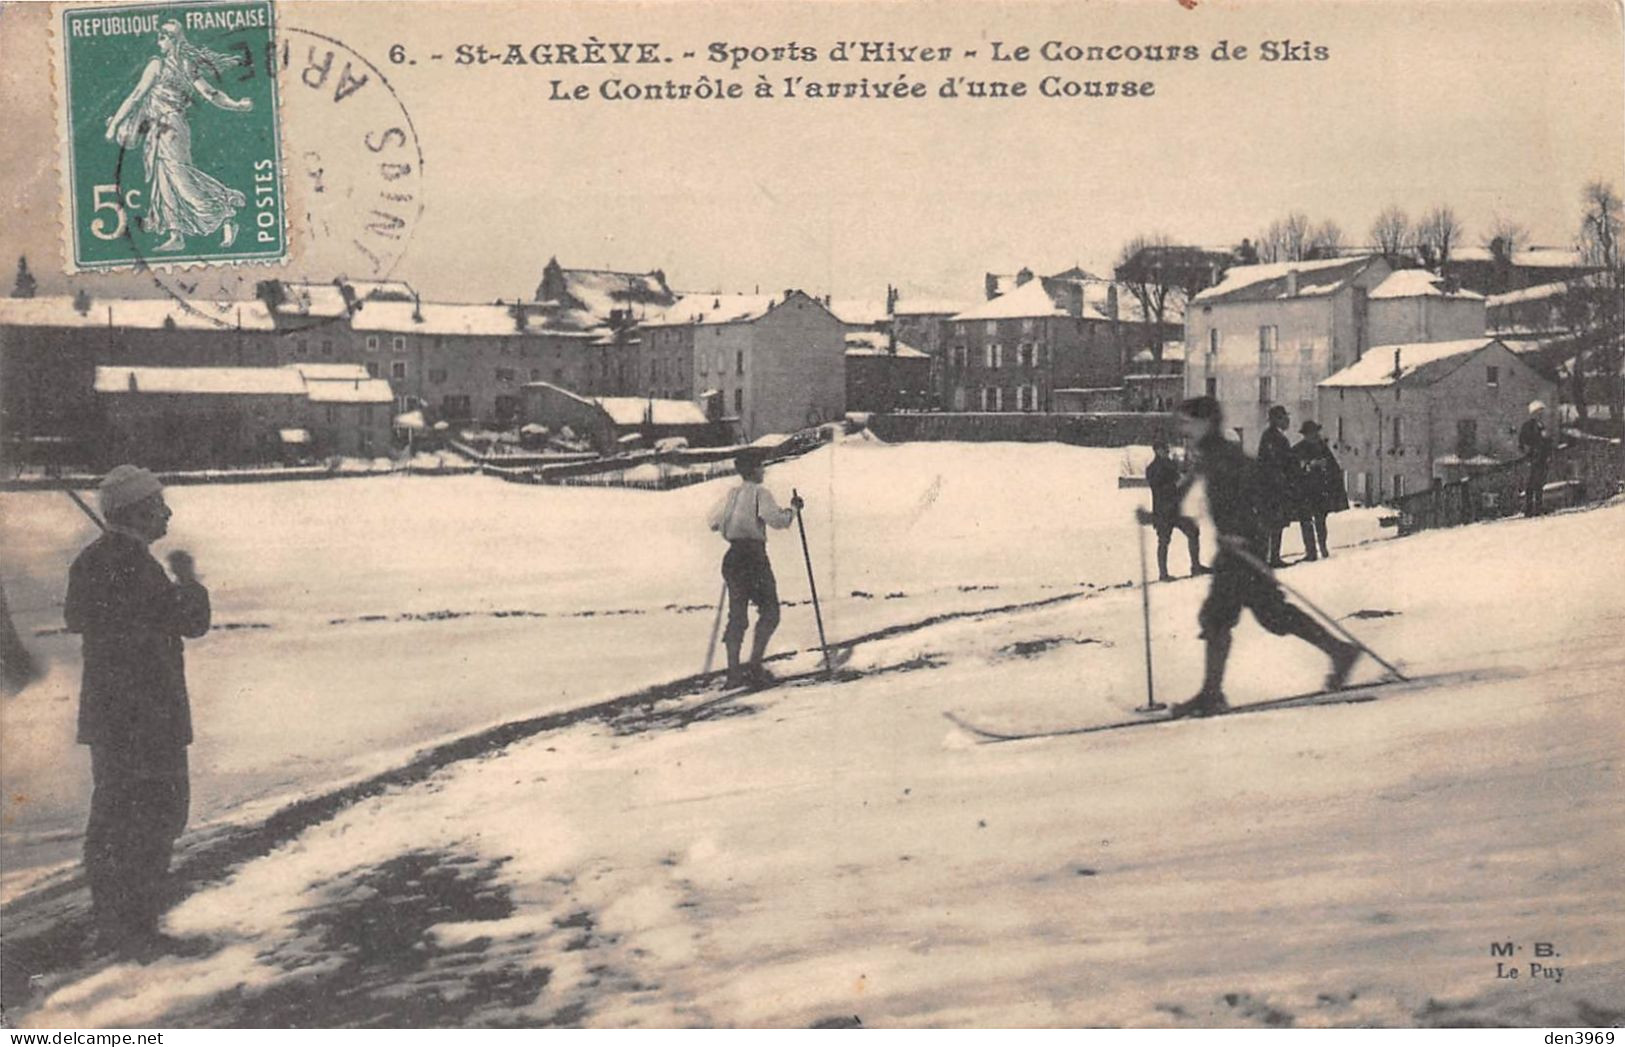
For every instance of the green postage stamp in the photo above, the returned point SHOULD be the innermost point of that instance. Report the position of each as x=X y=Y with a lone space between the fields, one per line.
x=172 y=136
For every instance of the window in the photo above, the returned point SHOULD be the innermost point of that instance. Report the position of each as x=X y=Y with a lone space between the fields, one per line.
x=327 y=347
x=438 y=376
x=372 y=369
x=398 y=343
x=332 y=413
x=995 y=355
x=372 y=343
x=505 y=374
x=1339 y=428
x=1267 y=338
x=959 y=327
x=1212 y=388
x=1399 y=433
x=739 y=362
x=739 y=401
x=1027 y=326
x=959 y=398
x=1213 y=340
x=397 y=370
x=302 y=348
x=1026 y=355
x=1492 y=377
x=992 y=398
x=1466 y=437
x=991 y=327
x=458 y=407
x=1399 y=486
x=1266 y=389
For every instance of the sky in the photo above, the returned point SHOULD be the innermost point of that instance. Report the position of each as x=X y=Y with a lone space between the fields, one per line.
x=1499 y=108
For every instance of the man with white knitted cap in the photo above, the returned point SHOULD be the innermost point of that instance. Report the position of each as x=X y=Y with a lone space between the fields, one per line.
x=1536 y=445
x=133 y=707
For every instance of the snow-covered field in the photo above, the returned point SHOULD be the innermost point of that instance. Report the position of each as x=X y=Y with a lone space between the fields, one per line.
x=839 y=849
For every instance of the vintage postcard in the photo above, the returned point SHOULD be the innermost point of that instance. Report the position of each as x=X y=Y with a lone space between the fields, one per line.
x=812 y=514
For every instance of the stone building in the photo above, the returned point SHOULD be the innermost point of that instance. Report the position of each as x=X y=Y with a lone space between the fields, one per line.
x=1404 y=414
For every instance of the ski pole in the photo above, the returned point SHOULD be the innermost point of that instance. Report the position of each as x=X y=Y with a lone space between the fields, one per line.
x=1258 y=565
x=1151 y=703
x=812 y=586
x=716 y=627
x=80 y=502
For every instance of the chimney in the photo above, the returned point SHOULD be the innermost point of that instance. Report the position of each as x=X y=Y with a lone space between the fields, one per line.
x=132 y=385
x=1292 y=283
x=417 y=309
x=1397 y=370
x=1111 y=301
x=1024 y=277
x=990 y=284
x=1074 y=299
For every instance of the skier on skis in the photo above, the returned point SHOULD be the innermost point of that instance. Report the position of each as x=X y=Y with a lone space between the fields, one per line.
x=742 y=518
x=1163 y=477
x=1234 y=499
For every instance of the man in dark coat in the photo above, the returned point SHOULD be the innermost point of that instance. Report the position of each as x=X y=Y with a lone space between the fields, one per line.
x=1233 y=495
x=1320 y=488
x=1536 y=445
x=1278 y=477
x=1164 y=478
x=133 y=708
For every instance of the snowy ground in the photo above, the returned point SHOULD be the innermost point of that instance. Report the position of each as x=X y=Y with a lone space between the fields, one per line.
x=837 y=849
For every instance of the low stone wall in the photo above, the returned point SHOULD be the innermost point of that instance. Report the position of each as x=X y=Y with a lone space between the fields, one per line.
x=1085 y=430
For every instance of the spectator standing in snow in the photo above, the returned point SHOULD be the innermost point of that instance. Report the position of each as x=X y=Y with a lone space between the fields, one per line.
x=1536 y=446
x=742 y=518
x=17 y=666
x=1233 y=495
x=1320 y=488
x=133 y=708
x=1165 y=479
x=1278 y=473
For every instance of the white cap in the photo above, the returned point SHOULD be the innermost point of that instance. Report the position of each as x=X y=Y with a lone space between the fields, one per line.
x=1536 y=405
x=124 y=486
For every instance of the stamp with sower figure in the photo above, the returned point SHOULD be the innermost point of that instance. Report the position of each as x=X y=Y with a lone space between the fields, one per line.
x=172 y=135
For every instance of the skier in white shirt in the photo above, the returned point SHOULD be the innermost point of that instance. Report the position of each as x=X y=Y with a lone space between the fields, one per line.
x=742 y=518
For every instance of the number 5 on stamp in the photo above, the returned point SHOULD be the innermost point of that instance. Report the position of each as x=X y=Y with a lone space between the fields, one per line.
x=170 y=127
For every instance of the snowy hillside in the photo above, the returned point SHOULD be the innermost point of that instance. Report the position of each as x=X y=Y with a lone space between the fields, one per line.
x=833 y=850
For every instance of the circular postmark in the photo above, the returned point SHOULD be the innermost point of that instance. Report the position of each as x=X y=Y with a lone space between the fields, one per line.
x=352 y=184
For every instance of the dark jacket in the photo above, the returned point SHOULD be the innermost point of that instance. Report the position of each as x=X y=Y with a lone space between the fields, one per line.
x=132 y=617
x=1320 y=478
x=1233 y=488
x=1277 y=476
x=1163 y=476
x=1534 y=443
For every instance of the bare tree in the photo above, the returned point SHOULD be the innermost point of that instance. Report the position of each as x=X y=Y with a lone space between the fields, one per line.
x=1391 y=233
x=1505 y=236
x=1325 y=240
x=1436 y=234
x=1286 y=240
x=1597 y=302
x=1162 y=277
x=26 y=285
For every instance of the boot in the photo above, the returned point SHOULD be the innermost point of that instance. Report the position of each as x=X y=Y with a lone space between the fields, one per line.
x=736 y=676
x=1162 y=564
x=1344 y=656
x=1196 y=557
x=1209 y=701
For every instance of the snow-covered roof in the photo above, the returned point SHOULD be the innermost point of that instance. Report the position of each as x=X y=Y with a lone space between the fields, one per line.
x=148 y=314
x=1418 y=283
x=438 y=318
x=1171 y=351
x=1418 y=363
x=584 y=299
x=1028 y=301
x=332 y=372
x=1529 y=257
x=216 y=381
x=922 y=306
x=1264 y=282
x=370 y=391
x=858 y=312
x=633 y=410
x=712 y=309
x=876 y=343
